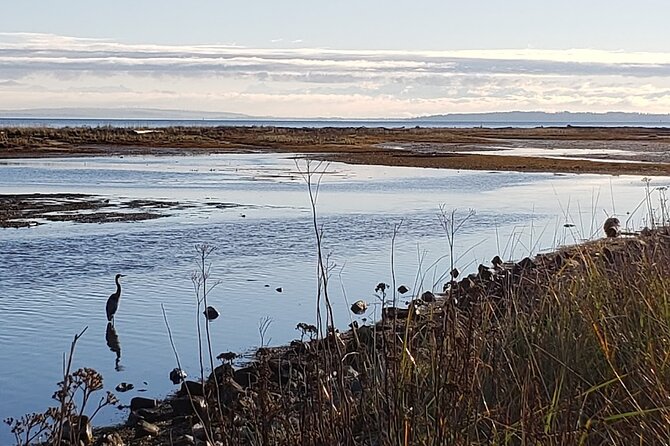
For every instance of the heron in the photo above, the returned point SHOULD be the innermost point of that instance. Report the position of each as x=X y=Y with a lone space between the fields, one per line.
x=113 y=301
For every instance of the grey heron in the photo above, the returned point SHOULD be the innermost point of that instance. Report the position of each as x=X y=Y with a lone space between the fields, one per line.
x=113 y=301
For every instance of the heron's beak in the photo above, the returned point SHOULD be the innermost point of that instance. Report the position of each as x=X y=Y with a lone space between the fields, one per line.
x=122 y=275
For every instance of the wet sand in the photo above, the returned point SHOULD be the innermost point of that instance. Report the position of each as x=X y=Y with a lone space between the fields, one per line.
x=642 y=151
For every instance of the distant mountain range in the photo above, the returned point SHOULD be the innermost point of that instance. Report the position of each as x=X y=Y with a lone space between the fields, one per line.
x=512 y=117
x=543 y=117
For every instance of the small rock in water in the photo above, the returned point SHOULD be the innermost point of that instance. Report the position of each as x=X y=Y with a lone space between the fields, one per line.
x=402 y=289
x=279 y=289
x=359 y=307
x=454 y=273
x=210 y=313
x=124 y=387
x=177 y=375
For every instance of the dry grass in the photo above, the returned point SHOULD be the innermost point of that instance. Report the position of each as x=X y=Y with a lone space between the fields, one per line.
x=571 y=349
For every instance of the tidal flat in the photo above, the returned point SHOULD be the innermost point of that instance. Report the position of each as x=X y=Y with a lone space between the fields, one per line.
x=617 y=150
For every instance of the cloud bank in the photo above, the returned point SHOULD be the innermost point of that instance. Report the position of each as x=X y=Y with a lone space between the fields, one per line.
x=42 y=70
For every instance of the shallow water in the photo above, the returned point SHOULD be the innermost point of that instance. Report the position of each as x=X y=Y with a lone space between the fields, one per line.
x=55 y=278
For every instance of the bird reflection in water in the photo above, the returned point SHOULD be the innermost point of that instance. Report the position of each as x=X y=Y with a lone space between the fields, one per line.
x=114 y=345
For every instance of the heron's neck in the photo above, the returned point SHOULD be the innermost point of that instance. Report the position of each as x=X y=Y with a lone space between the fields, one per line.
x=118 y=286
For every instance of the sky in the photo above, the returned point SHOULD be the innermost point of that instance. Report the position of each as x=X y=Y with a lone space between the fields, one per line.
x=350 y=59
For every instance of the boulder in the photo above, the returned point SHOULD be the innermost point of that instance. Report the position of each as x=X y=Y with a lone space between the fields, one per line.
x=428 y=296
x=191 y=388
x=144 y=429
x=140 y=402
x=177 y=375
x=359 y=307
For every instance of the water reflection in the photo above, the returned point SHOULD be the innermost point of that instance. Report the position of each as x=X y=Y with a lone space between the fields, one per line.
x=114 y=344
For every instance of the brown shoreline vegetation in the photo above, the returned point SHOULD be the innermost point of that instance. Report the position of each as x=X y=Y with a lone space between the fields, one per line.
x=569 y=347
x=648 y=149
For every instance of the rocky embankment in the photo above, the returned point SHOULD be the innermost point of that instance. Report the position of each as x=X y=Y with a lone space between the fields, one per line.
x=336 y=388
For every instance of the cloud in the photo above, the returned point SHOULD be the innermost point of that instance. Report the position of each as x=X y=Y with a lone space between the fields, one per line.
x=318 y=81
x=41 y=52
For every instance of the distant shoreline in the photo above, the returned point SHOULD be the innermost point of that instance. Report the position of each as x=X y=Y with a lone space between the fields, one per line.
x=600 y=150
x=427 y=122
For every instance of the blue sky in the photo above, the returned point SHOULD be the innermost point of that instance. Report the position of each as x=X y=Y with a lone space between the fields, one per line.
x=346 y=58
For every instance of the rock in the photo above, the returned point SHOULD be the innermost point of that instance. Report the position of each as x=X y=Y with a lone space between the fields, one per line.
x=466 y=283
x=227 y=356
x=359 y=307
x=83 y=429
x=140 y=402
x=184 y=406
x=246 y=376
x=199 y=431
x=210 y=313
x=454 y=273
x=611 y=227
x=186 y=440
x=144 y=429
x=449 y=286
x=124 y=387
x=402 y=289
x=525 y=264
x=496 y=262
x=398 y=313
x=191 y=388
x=151 y=415
x=177 y=375
x=484 y=273
x=428 y=296
x=133 y=418
x=111 y=439
x=279 y=289
x=223 y=371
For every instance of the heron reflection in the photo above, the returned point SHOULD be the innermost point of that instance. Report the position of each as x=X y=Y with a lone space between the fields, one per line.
x=114 y=344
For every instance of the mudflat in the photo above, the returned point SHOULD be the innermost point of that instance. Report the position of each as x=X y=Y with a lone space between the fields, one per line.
x=621 y=150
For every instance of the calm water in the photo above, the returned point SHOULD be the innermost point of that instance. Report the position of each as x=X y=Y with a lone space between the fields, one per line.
x=299 y=123
x=55 y=278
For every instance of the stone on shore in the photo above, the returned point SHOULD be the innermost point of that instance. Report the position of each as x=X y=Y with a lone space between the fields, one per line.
x=140 y=402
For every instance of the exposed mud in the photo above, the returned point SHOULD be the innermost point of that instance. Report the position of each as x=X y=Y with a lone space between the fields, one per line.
x=25 y=210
